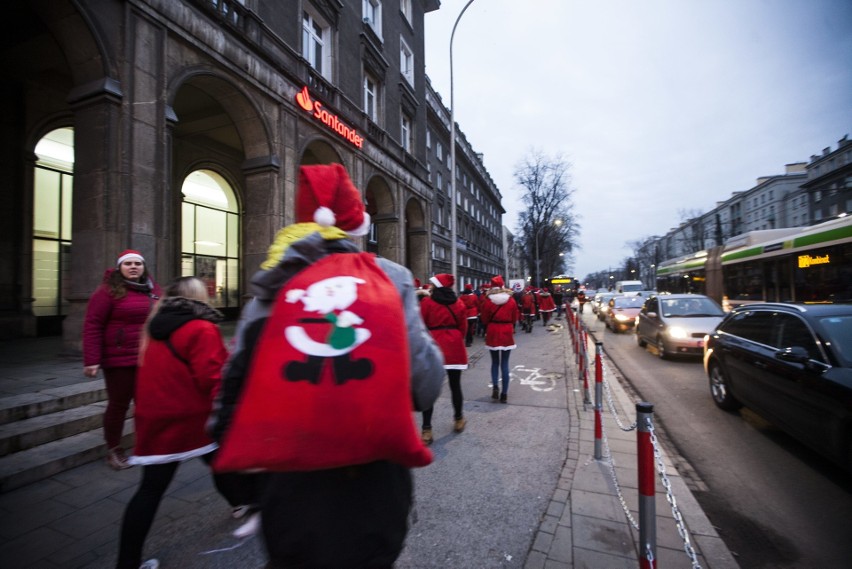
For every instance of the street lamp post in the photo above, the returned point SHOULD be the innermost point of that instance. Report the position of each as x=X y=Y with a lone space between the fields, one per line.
x=453 y=231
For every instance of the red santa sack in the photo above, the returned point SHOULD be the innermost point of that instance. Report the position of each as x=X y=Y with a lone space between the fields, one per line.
x=329 y=382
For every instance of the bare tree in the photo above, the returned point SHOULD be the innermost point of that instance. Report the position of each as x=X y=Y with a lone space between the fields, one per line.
x=694 y=230
x=548 y=226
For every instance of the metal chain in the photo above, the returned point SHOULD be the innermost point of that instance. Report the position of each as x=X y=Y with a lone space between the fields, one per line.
x=661 y=469
x=611 y=462
x=611 y=405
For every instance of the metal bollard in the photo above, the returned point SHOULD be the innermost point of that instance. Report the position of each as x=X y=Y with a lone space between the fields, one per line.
x=598 y=401
x=647 y=488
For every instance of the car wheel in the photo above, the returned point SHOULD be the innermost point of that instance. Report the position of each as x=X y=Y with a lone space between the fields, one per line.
x=642 y=343
x=661 y=348
x=720 y=389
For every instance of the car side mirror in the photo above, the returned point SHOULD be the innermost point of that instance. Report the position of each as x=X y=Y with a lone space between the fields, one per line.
x=651 y=315
x=796 y=354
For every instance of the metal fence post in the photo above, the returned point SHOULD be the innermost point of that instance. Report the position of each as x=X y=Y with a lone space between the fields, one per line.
x=647 y=488
x=598 y=401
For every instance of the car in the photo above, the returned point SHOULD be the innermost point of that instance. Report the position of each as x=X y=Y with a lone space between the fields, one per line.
x=792 y=364
x=622 y=311
x=677 y=323
x=600 y=299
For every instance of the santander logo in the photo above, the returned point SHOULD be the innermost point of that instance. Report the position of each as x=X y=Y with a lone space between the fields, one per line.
x=303 y=98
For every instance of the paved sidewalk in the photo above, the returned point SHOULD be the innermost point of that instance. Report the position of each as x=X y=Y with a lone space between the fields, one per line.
x=570 y=499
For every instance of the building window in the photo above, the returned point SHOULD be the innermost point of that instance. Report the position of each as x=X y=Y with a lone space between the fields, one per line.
x=439 y=181
x=316 y=43
x=373 y=15
x=439 y=151
x=371 y=98
x=406 y=61
x=428 y=138
x=406 y=132
x=405 y=8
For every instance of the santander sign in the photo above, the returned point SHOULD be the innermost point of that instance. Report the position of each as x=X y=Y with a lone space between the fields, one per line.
x=328 y=119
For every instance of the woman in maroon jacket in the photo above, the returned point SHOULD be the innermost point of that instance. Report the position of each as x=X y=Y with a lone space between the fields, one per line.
x=445 y=315
x=499 y=316
x=115 y=315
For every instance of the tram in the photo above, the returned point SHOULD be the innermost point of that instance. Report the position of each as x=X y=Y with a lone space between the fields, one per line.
x=798 y=264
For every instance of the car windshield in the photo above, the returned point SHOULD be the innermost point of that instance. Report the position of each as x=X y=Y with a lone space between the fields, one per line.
x=629 y=302
x=690 y=308
x=838 y=330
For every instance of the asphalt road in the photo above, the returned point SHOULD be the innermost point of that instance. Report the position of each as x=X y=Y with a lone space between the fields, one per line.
x=776 y=503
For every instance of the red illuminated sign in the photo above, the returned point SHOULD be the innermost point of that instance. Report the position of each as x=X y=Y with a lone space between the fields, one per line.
x=328 y=119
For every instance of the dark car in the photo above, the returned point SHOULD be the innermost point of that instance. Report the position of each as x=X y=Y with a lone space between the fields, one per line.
x=792 y=363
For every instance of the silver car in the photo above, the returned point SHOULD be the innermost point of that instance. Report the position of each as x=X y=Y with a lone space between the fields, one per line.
x=677 y=323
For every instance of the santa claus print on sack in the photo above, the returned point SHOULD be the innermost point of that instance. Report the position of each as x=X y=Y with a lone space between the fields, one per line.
x=331 y=298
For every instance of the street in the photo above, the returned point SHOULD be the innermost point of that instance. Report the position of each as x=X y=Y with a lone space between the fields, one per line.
x=774 y=502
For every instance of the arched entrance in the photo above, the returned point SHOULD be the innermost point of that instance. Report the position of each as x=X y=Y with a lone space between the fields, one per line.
x=417 y=239
x=383 y=238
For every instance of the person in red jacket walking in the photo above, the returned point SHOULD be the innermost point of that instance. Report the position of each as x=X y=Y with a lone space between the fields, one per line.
x=471 y=303
x=116 y=312
x=546 y=305
x=499 y=316
x=445 y=315
x=527 y=306
x=179 y=374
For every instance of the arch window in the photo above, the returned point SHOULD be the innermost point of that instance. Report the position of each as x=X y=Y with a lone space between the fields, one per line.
x=53 y=187
x=210 y=230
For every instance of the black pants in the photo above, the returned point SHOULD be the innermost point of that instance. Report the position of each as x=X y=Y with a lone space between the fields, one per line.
x=237 y=489
x=457 y=397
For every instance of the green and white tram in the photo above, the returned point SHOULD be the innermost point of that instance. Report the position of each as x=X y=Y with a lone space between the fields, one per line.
x=803 y=264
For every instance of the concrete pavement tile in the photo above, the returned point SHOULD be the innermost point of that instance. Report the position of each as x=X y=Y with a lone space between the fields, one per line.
x=560 y=495
x=591 y=559
x=542 y=542
x=714 y=552
x=81 y=548
x=31 y=495
x=28 y=519
x=595 y=505
x=548 y=524
x=603 y=535
x=31 y=547
x=87 y=494
x=563 y=544
x=555 y=508
x=551 y=564
x=566 y=519
x=673 y=558
x=535 y=560
x=100 y=516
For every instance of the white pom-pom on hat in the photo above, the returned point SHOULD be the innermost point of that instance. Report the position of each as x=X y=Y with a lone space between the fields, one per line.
x=324 y=216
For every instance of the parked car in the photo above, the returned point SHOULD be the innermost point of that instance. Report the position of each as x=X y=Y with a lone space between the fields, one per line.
x=792 y=363
x=622 y=311
x=677 y=323
x=600 y=301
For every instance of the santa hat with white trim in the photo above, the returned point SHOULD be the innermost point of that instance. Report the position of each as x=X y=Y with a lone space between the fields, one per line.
x=128 y=254
x=328 y=197
x=443 y=280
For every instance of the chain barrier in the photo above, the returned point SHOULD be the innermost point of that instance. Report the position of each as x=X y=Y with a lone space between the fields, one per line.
x=681 y=527
x=611 y=462
x=611 y=404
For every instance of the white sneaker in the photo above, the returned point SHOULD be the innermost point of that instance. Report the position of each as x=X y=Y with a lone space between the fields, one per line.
x=248 y=529
x=150 y=564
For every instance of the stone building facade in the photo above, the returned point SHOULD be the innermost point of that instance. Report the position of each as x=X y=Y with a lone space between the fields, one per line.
x=177 y=127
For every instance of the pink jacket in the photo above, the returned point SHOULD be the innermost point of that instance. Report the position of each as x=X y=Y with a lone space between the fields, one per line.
x=113 y=327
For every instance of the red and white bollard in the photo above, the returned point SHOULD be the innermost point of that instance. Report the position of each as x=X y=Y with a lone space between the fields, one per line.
x=598 y=401
x=647 y=488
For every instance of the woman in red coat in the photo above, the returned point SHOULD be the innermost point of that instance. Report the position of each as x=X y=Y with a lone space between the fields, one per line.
x=527 y=309
x=471 y=302
x=499 y=316
x=179 y=375
x=115 y=315
x=546 y=305
x=446 y=318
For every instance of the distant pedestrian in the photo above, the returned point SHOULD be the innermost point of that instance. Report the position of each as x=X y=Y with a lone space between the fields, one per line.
x=527 y=307
x=180 y=368
x=546 y=305
x=499 y=315
x=445 y=316
x=558 y=300
x=115 y=315
x=471 y=302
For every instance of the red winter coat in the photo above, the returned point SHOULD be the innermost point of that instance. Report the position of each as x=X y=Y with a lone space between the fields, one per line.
x=471 y=303
x=545 y=302
x=448 y=325
x=112 y=327
x=528 y=303
x=174 y=396
x=499 y=317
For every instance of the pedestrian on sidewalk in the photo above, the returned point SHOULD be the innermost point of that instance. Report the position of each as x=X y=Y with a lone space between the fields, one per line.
x=346 y=516
x=527 y=307
x=180 y=365
x=546 y=305
x=499 y=316
x=471 y=303
x=115 y=315
x=445 y=316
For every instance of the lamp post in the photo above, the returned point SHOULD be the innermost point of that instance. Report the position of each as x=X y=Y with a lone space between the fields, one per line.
x=453 y=231
x=556 y=222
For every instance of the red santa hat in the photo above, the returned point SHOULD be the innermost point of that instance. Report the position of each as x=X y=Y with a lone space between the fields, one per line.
x=416 y=283
x=497 y=282
x=442 y=280
x=468 y=286
x=128 y=254
x=328 y=197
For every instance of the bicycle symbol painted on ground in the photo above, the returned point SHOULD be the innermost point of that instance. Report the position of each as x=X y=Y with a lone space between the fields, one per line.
x=533 y=377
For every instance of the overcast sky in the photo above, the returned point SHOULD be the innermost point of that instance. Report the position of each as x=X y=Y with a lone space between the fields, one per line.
x=660 y=106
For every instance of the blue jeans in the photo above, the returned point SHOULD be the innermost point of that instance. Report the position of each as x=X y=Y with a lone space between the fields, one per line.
x=500 y=362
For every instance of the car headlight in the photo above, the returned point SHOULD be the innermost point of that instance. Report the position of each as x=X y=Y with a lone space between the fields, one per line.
x=622 y=317
x=678 y=333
